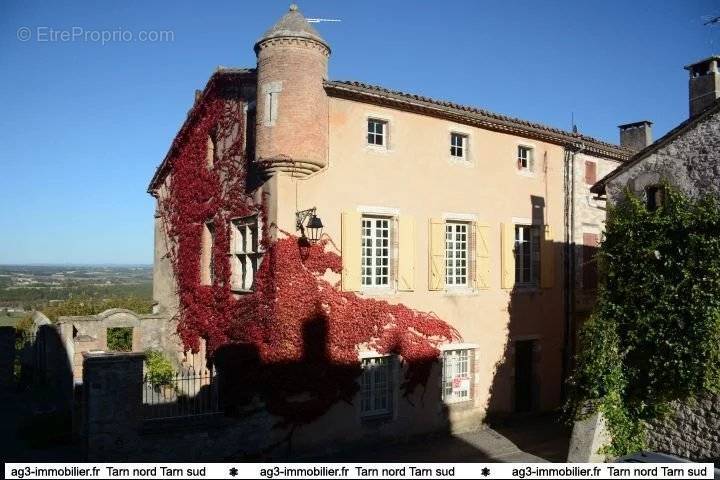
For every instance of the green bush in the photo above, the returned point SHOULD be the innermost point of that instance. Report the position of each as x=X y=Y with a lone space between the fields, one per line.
x=654 y=336
x=159 y=369
x=120 y=339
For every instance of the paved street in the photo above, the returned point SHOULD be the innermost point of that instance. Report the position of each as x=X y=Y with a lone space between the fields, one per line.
x=532 y=439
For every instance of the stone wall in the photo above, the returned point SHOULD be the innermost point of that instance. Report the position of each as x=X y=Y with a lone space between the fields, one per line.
x=88 y=333
x=691 y=431
x=690 y=162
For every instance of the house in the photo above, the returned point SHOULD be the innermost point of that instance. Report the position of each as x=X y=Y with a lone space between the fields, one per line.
x=687 y=157
x=475 y=217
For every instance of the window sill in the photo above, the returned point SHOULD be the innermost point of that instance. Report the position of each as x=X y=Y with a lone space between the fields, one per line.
x=460 y=161
x=377 y=419
x=241 y=291
x=526 y=173
x=378 y=292
x=460 y=292
x=377 y=148
x=527 y=289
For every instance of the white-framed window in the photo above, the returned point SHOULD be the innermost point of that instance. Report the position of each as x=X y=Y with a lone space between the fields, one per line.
x=207 y=268
x=458 y=145
x=456 y=375
x=376 y=386
x=456 y=254
x=377 y=132
x=211 y=147
x=525 y=158
x=527 y=255
x=245 y=252
x=376 y=248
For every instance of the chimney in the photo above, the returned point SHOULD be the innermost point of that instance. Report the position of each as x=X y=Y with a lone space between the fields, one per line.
x=704 y=83
x=636 y=136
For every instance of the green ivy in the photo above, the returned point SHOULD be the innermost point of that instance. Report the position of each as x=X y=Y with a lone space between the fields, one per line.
x=654 y=336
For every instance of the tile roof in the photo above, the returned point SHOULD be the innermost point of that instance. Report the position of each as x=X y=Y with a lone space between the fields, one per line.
x=474 y=116
x=292 y=24
x=683 y=127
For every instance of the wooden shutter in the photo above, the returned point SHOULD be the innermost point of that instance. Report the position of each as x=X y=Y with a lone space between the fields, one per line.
x=351 y=251
x=482 y=256
x=406 y=253
x=436 y=267
x=590 y=173
x=547 y=258
x=589 y=262
x=507 y=255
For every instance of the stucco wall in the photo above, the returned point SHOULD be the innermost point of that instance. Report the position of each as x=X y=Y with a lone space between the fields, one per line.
x=417 y=177
x=690 y=162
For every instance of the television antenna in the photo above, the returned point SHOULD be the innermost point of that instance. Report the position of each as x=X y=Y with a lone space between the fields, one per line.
x=318 y=20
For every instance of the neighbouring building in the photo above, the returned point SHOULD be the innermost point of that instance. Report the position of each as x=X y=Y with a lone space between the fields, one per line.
x=687 y=157
x=478 y=217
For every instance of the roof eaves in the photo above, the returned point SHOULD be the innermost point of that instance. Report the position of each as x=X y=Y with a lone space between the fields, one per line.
x=481 y=117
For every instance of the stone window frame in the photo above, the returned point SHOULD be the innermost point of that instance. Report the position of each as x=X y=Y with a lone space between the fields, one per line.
x=464 y=146
x=534 y=246
x=245 y=251
x=467 y=373
x=389 y=364
x=452 y=229
x=390 y=256
x=529 y=169
x=385 y=134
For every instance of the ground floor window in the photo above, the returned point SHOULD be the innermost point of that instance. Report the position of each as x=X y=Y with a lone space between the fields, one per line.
x=456 y=375
x=376 y=387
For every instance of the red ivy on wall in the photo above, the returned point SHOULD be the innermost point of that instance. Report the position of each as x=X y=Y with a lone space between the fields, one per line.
x=297 y=333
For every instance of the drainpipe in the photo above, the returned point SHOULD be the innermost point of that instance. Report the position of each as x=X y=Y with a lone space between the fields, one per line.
x=569 y=260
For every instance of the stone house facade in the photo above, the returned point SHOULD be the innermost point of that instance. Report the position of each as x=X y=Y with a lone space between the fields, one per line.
x=445 y=208
x=688 y=158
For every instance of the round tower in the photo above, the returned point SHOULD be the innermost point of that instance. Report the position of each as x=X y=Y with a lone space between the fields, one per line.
x=292 y=107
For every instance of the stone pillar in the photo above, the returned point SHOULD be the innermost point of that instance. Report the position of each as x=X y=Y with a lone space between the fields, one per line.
x=7 y=357
x=589 y=435
x=112 y=394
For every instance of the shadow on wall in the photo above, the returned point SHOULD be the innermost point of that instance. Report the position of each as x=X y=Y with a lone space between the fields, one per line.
x=299 y=393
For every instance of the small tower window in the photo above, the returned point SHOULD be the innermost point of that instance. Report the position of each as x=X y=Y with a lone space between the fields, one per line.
x=654 y=196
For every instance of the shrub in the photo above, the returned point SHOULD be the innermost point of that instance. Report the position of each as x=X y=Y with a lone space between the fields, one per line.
x=159 y=369
x=120 y=339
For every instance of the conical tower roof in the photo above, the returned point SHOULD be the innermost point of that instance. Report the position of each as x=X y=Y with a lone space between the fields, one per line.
x=294 y=25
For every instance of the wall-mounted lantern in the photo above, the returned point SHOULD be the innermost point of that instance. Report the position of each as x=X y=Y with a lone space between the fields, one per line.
x=314 y=225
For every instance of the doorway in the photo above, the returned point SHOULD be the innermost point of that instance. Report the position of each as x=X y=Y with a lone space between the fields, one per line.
x=524 y=375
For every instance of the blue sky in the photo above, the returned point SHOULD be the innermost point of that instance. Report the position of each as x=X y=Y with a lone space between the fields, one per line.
x=84 y=124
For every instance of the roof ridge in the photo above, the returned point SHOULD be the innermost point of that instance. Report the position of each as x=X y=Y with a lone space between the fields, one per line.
x=481 y=111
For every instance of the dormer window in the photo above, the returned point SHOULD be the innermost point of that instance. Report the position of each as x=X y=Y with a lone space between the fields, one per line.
x=654 y=196
x=377 y=132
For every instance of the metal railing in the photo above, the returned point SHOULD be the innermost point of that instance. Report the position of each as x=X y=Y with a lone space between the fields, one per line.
x=189 y=393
